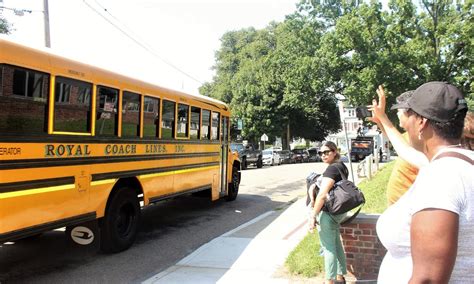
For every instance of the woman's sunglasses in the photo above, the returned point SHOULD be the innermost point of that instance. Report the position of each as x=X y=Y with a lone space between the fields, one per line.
x=320 y=153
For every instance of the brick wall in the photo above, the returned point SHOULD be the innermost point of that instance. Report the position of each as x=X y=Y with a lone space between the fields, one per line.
x=364 y=252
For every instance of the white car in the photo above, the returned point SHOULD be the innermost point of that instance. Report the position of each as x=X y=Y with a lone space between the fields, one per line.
x=271 y=157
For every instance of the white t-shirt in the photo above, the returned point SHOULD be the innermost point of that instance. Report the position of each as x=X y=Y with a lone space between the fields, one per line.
x=446 y=183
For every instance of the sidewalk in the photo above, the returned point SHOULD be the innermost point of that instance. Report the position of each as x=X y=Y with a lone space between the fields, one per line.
x=251 y=253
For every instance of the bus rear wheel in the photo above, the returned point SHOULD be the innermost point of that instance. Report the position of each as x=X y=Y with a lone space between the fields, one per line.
x=234 y=185
x=120 y=224
x=244 y=164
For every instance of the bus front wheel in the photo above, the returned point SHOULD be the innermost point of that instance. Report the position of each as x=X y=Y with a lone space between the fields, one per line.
x=120 y=224
x=234 y=185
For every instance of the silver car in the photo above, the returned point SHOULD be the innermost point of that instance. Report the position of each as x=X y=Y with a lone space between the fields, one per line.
x=271 y=157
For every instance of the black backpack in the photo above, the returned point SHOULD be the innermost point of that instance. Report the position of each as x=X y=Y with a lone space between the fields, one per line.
x=335 y=196
x=310 y=180
x=344 y=196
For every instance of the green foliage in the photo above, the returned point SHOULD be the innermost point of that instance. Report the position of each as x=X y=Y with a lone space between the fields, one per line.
x=400 y=48
x=289 y=72
x=269 y=78
x=305 y=260
x=5 y=27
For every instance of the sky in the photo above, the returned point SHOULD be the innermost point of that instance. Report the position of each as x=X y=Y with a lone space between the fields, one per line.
x=181 y=36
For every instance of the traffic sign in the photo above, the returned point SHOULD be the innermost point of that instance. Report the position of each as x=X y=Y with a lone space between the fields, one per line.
x=264 y=138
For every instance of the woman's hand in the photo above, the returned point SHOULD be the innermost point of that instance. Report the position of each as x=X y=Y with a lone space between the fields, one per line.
x=313 y=221
x=378 y=108
x=404 y=150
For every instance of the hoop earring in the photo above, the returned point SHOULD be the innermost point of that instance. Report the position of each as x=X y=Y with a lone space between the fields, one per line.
x=420 y=135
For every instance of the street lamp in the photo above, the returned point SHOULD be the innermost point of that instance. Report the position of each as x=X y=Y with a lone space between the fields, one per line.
x=340 y=103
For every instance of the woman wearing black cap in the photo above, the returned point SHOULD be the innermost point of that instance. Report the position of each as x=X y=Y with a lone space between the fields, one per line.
x=429 y=232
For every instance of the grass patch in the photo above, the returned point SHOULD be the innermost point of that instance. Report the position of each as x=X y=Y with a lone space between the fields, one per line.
x=305 y=260
x=374 y=190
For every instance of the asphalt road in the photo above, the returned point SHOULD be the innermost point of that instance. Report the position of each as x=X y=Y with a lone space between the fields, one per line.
x=169 y=231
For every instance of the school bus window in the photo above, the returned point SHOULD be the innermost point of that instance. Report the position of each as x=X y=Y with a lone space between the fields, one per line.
x=224 y=128
x=107 y=118
x=206 y=122
x=183 y=113
x=28 y=83
x=151 y=116
x=167 y=124
x=195 y=119
x=215 y=126
x=24 y=96
x=130 y=114
x=72 y=105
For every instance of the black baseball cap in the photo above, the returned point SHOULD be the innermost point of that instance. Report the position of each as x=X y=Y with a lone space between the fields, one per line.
x=438 y=101
x=402 y=100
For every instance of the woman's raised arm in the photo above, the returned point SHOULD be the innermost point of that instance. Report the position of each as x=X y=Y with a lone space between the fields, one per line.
x=404 y=150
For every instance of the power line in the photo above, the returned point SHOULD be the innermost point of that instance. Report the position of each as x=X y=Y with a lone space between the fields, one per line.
x=18 y=12
x=140 y=43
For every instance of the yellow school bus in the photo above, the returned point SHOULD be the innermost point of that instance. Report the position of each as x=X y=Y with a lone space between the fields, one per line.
x=86 y=149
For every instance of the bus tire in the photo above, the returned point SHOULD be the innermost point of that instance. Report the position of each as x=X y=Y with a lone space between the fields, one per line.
x=244 y=164
x=234 y=185
x=120 y=223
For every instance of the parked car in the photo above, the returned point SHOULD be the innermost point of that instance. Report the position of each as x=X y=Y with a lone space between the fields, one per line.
x=313 y=155
x=305 y=156
x=285 y=156
x=248 y=155
x=299 y=156
x=271 y=157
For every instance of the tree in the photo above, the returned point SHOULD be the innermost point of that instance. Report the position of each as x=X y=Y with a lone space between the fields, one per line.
x=5 y=27
x=401 y=48
x=286 y=76
x=268 y=77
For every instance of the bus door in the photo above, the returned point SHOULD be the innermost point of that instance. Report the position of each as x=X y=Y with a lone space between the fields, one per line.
x=225 y=153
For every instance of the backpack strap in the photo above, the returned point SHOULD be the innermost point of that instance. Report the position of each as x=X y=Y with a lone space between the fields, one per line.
x=339 y=166
x=348 y=220
x=455 y=155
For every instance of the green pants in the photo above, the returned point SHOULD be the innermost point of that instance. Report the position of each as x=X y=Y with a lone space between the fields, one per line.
x=330 y=238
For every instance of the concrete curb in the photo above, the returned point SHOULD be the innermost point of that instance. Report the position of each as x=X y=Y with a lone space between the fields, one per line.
x=252 y=252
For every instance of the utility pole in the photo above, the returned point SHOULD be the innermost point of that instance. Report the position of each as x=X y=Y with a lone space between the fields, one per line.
x=340 y=98
x=47 y=38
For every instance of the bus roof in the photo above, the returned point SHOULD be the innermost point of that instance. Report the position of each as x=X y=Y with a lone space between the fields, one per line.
x=20 y=54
